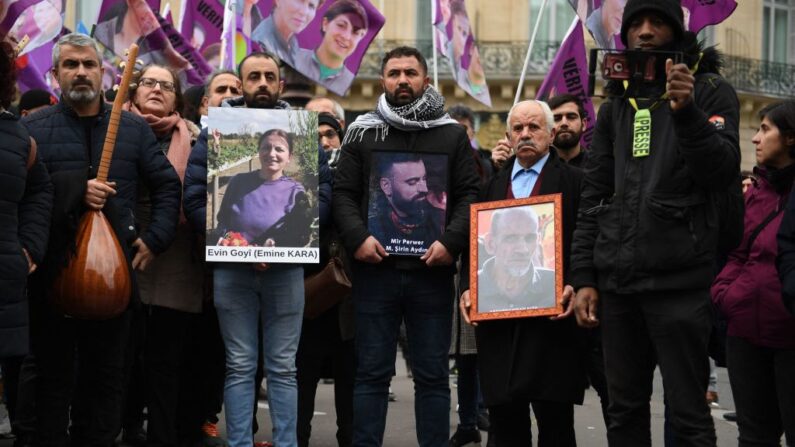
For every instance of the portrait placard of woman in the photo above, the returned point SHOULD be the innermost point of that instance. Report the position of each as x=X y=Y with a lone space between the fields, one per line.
x=265 y=186
x=344 y=25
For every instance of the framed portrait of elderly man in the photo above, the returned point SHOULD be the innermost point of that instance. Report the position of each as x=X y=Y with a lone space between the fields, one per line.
x=516 y=258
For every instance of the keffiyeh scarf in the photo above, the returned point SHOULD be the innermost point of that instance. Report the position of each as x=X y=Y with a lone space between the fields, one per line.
x=425 y=112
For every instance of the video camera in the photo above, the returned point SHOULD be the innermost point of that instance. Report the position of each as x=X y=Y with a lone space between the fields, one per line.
x=637 y=67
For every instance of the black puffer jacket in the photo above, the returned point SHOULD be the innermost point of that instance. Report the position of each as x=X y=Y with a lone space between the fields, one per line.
x=25 y=205
x=651 y=223
x=72 y=150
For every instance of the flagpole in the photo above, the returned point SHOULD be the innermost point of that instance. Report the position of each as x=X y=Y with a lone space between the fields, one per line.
x=434 y=11
x=529 y=51
x=435 y=57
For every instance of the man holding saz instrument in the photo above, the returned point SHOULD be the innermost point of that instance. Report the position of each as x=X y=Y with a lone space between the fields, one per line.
x=71 y=135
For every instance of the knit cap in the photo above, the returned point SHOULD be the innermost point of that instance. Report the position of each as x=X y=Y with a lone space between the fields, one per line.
x=669 y=10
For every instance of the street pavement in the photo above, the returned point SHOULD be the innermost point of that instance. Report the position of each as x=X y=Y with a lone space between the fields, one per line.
x=400 y=427
x=589 y=425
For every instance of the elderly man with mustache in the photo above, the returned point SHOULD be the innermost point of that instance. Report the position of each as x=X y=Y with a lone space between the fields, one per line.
x=530 y=361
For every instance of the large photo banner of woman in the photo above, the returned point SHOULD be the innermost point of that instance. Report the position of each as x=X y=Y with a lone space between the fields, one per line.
x=262 y=192
x=123 y=22
x=456 y=42
x=408 y=201
x=325 y=40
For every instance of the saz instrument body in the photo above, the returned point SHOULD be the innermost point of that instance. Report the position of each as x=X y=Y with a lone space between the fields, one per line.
x=97 y=283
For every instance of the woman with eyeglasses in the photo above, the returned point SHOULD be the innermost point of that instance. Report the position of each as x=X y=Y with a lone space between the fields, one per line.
x=171 y=285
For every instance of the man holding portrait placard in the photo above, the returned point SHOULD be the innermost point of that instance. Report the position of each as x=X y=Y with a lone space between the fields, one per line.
x=529 y=361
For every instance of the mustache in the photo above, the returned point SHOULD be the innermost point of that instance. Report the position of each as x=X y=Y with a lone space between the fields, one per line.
x=262 y=91
x=523 y=144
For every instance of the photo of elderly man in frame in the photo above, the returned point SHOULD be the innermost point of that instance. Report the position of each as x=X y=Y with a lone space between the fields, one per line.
x=519 y=268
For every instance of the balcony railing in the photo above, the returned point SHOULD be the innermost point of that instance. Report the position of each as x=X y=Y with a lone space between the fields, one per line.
x=501 y=60
x=504 y=60
x=760 y=77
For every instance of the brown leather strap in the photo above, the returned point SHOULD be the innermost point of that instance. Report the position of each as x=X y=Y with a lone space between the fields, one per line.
x=32 y=153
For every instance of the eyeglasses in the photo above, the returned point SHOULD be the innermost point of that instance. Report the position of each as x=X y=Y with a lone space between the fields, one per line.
x=166 y=86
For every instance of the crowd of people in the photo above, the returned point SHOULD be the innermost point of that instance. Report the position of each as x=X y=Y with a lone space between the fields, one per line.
x=662 y=244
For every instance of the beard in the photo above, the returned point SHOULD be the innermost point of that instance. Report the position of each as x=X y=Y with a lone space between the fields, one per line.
x=567 y=141
x=81 y=96
x=254 y=100
x=395 y=100
x=415 y=208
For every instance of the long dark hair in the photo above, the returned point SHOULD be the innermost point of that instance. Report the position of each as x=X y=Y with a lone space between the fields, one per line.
x=8 y=74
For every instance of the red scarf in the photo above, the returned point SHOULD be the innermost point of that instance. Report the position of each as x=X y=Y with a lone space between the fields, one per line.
x=179 y=148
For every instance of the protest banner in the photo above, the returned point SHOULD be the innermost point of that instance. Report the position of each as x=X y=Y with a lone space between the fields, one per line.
x=202 y=24
x=262 y=186
x=455 y=41
x=124 y=22
x=569 y=74
x=323 y=40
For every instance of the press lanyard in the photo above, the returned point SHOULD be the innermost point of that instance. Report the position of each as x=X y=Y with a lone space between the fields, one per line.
x=641 y=129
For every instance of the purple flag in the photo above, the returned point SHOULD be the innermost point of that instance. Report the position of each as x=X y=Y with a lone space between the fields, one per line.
x=200 y=69
x=701 y=13
x=603 y=17
x=569 y=74
x=40 y=20
x=10 y=12
x=229 y=31
x=158 y=40
x=455 y=41
x=202 y=24
x=33 y=69
x=325 y=43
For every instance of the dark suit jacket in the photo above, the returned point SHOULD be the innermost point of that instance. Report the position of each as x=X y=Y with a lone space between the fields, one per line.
x=533 y=359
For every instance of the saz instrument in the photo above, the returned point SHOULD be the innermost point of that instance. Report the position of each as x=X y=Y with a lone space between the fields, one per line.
x=96 y=284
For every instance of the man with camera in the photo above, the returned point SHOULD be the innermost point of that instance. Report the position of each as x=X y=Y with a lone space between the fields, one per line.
x=665 y=151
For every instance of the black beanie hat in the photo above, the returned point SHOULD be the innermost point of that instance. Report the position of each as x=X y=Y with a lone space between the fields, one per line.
x=35 y=98
x=669 y=10
x=329 y=119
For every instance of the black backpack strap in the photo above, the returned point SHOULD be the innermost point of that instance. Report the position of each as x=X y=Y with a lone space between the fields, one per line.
x=762 y=226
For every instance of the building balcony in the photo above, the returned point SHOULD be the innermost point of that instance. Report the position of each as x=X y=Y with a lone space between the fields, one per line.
x=503 y=61
x=758 y=77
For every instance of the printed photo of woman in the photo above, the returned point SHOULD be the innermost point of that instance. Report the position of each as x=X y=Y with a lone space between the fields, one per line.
x=277 y=33
x=258 y=206
x=343 y=26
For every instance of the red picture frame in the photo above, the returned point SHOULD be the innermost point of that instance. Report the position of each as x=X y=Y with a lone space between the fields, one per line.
x=516 y=270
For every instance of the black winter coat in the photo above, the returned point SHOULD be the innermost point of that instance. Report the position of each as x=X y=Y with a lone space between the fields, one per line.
x=72 y=156
x=529 y=359
x=651 y=223
x=25 y=205
x=352 y=185
x=785 y=262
